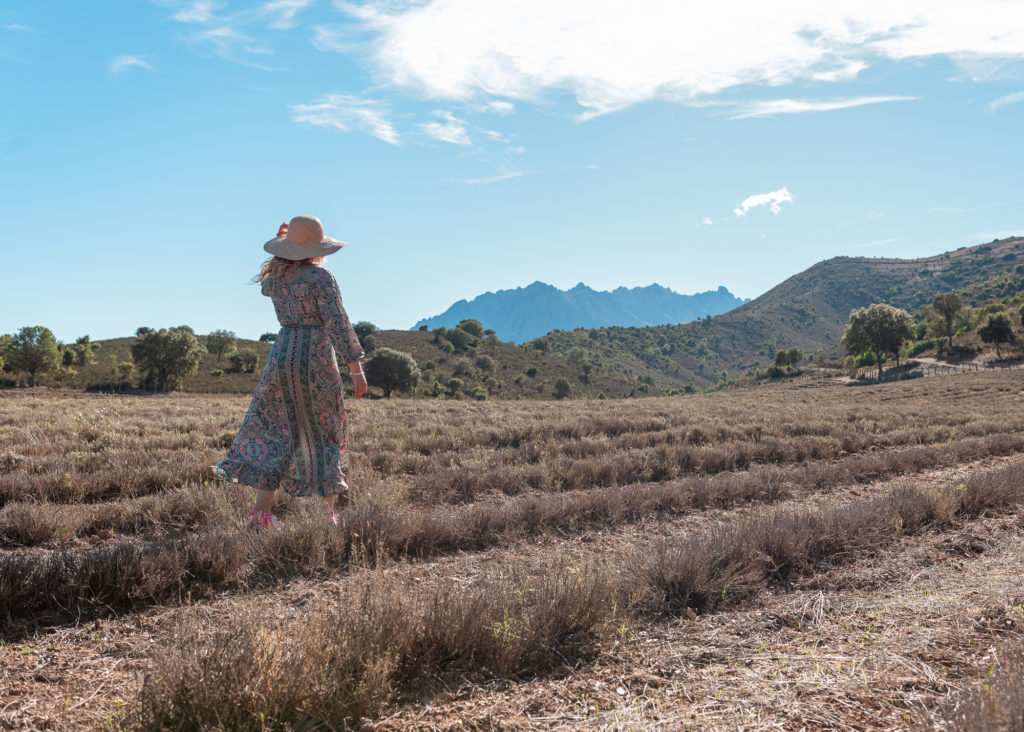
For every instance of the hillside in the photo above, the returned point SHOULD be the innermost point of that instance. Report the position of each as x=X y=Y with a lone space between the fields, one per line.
x=808 y=311
x=529 y=312
x=500 y=370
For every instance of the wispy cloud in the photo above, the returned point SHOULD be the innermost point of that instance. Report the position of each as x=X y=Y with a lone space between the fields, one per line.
x=284 y=12
x=346 y=112
x=623 y=52
x=1006 y=100
x=766 y=108
x=504 y=175
x=705 y=222
x=200 y=11
x=773 y=200
x=123 y=63
x=15 y=27
x=452 y=129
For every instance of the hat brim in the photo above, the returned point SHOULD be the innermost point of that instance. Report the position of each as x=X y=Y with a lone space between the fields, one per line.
x=285 y=248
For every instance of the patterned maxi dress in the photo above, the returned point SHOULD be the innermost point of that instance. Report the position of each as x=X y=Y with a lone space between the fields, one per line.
x=295 y=434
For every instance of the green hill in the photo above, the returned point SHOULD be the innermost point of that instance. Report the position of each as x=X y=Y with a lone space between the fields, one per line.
x=500 y=370
x=808 y=311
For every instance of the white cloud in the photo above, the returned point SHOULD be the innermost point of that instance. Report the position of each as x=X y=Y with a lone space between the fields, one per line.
x=122 y=63
x=499 y=106
x=705 y=222
x=773 y=200
x=285 y=10
x=614 y=53
x=769 y=107
x=346 y=112
x=452 y=130
x=1005 y=100
x=15 y=27
x=200 y=11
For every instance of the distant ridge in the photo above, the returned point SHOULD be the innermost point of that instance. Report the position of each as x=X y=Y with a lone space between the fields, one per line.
x=808 y=311
x=529 y=312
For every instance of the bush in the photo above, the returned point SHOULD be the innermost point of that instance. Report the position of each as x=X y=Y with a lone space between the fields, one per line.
x=455 y=385
x=485 y=363
x=479 y=393
x=392 y=370
x=244 y=361
x=531 y=372
x=167 y=355
x=563 y=388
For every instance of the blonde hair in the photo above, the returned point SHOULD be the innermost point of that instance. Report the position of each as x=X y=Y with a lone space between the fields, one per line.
x=277 y=267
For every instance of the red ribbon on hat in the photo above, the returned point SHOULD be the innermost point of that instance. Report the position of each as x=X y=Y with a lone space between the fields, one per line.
x=282 y=231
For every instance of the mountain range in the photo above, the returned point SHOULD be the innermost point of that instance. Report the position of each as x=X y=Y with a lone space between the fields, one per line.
x=529 y=312
x=807 y=311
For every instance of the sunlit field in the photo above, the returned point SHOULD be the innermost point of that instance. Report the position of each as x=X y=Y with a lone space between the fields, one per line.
x=786 y=556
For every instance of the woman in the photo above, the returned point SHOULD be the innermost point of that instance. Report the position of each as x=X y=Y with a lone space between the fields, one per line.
x=295 y=435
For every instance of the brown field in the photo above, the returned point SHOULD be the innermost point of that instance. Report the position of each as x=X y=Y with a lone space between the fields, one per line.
x=775 y=558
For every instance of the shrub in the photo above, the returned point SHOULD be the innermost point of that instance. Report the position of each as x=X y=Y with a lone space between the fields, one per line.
x=563 y=388
x=479 y=393
x=392 y=370
x=455 y=385
x=531 y=372
x=167 y=355
x=485 y=363
x=245 y=361
x=473 y=327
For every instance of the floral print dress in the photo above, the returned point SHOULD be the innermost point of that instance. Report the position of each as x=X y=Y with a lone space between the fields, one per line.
x=295 y=433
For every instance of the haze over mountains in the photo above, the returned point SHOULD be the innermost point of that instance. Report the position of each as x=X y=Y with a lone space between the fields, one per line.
x=529 y=312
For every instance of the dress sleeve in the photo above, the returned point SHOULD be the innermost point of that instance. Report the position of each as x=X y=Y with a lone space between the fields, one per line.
x=336 y=322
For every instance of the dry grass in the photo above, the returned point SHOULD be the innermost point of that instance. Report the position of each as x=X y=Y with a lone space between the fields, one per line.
x=365 y=648
x=105 y=511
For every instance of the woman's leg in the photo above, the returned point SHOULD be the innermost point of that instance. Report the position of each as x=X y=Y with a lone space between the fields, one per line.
x=264 y=501
x=329 y=502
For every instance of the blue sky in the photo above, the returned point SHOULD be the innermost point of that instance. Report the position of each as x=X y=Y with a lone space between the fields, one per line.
x=148 y=149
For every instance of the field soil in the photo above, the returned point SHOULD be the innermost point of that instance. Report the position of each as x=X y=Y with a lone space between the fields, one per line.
x=876 y=577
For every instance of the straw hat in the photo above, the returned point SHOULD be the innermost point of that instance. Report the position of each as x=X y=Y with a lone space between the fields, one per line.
x=302 y=238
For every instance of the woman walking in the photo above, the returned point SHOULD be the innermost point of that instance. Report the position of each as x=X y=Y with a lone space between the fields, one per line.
x=295 y=434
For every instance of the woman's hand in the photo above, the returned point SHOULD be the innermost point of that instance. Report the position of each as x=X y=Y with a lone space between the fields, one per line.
x=358 y=378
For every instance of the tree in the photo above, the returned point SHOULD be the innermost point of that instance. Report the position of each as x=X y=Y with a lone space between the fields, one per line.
x=997 y=329
x=878 y=329
x=220 y=342
x=167 y=355
x=83 y=350
x=563 y=388
x=948 y=305
x=244 y=361
x=5 y=343
x=123 y=370
x=461 y=339
x=268 y=337
x=789 y=359
x=473 y=327
x=392 y=370
x=364 y=328
x=33 y=349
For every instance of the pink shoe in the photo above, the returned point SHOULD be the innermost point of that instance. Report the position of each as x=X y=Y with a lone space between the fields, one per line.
x=265 y=519
x=332 y=520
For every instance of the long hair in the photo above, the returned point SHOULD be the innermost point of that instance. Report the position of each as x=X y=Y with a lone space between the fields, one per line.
x=277 y=267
